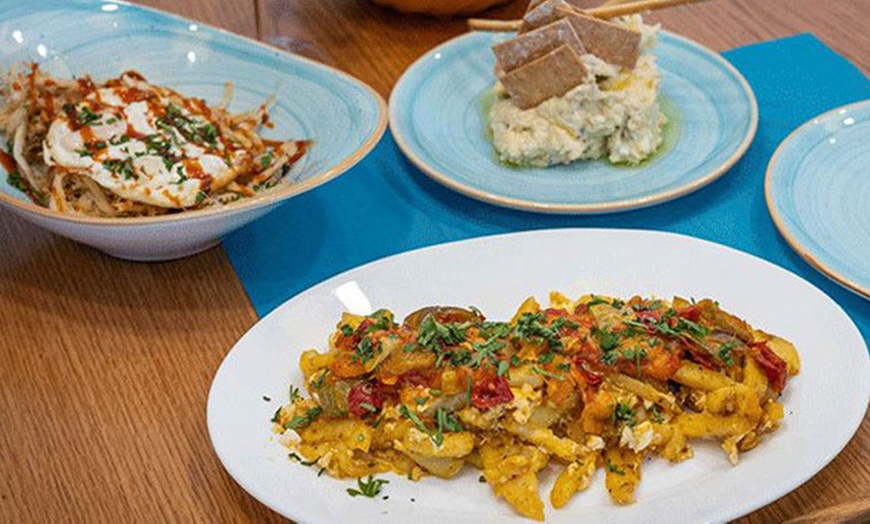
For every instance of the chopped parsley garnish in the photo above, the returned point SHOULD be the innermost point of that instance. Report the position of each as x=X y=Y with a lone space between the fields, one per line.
x=724 y=353
x=319 y=382
x=294 y=394
x=694 y=329
x=468 y=390
x=403 y=410
x=300 y=421
x=121 y=167
x=384 y=321
x=301 y=461
x=444 y=422
x=533 y=327
x=636 y=355
x=371 y=488
x=502 y=368
x=596 y=300
x=613 y=469
x=607 y=340
x=365 y=350
x=346 y=330
x=565 y=366
x=200 y=197
x=546 y=358
x=436 y=337
x=545 y=373
x=266 y=160
x=277 y=415
x=623 y=413
x=656 y=414
x=609 y=357
x=267 y=399
x=186 y=126
x=17 y=181
x=486 y=351
x=87 y=116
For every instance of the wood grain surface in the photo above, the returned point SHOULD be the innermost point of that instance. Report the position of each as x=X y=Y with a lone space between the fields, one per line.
x=105 y=365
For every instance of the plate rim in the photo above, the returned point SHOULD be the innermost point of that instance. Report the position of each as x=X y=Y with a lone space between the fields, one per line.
x=736 y=510
x=779 y=221
x=574 y=209
x=29 y=208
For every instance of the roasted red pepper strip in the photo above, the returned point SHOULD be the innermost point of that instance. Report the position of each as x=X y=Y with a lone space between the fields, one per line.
x=362 y=397
x=490 y=390
x=771 y=364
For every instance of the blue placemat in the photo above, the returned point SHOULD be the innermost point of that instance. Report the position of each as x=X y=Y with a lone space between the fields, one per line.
x=386 y=206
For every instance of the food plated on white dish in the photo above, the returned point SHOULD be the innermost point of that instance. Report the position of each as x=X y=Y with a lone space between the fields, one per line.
x=177 y=160
x=573 y=114
x=817 y=193
x=256 y=404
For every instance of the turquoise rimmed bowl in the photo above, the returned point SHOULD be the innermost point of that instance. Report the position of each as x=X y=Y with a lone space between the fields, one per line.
x=344 y=117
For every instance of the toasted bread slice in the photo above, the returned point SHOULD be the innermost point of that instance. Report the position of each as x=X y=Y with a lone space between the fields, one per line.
x=513 y=53
x=552 y=74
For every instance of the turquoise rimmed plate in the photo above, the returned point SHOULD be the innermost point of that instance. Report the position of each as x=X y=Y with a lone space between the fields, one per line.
x=437 y=117
x=818 y=194
x=342 y=116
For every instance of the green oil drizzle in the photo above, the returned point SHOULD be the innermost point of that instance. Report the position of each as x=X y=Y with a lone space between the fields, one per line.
x=487 y=99
x=671 y=132
x=670 y=135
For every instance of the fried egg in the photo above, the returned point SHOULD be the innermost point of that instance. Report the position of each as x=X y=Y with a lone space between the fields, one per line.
x=143 y=143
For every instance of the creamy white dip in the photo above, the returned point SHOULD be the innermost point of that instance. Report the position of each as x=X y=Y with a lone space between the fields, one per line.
x=613 y=114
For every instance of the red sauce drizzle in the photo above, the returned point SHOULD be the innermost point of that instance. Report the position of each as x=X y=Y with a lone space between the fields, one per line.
x=8 y=162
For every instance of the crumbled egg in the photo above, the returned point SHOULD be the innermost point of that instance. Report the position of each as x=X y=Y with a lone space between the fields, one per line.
x=525 y=399
x=637 y=438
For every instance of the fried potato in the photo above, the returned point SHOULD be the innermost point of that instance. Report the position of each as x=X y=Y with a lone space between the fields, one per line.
x=622 y=470
x=564 y=448
x=698 y=377
x=702 y=425
x=783 y=349
x=574 y=478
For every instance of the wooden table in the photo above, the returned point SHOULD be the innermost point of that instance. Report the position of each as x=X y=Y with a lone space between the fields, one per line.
x=105 y=365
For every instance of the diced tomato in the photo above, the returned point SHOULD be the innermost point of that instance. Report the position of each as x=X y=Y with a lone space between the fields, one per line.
x=692 y=313
x=591 y=378
x=648 y=316
x=771 y=364
x=362 y=397
x=490 y=390
x=414 y=378
x=581 y=309
x=661 y=364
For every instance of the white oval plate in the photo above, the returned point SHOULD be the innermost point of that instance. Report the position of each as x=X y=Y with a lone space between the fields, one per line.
x=824 y=404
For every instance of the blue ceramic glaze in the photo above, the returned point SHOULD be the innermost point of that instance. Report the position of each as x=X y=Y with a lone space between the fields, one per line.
x=436 y=116
x=818 y=193
x=342 y=116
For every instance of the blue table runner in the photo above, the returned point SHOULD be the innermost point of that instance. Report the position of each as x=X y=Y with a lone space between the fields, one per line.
x=385 y=205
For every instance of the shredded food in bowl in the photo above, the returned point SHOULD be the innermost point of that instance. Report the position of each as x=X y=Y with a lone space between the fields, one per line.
x=128 y=148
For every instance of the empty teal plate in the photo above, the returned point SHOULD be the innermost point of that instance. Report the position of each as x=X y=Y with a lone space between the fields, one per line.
x=437 y=117
x=818 y=193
